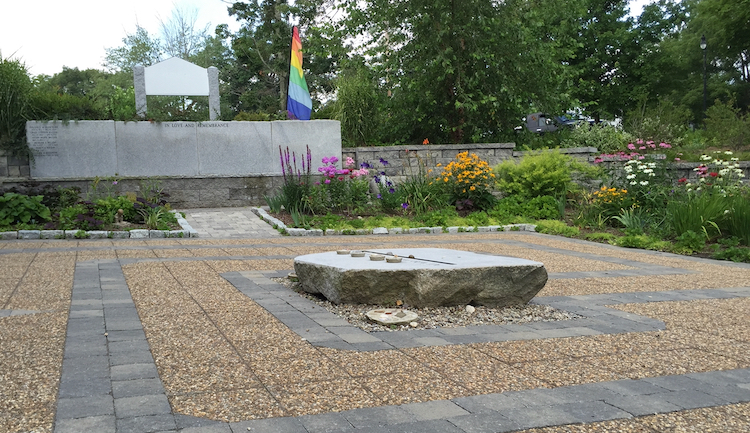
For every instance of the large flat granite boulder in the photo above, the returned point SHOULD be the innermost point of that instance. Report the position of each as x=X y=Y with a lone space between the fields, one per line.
x=433 y=277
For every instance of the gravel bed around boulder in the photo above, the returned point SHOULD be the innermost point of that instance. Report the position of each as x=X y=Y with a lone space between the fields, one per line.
x=437 y=317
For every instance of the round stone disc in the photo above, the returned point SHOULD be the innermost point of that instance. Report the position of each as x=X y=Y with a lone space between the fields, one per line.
x=391 y=316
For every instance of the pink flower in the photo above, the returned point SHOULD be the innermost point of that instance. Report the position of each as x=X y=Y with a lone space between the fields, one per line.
x=642 y=148
x=652 y=145
x=631 y=146
x=639 y=141
x=598 y=160
x=327 y=181
x=349 y=160
x=664 y=145
x=677 y=159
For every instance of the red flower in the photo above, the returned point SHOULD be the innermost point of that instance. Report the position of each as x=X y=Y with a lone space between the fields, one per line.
x=713 y=174
x=682 y=180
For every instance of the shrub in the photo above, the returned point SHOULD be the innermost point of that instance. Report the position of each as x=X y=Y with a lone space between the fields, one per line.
x=16 y=101
x=601 y=237
x=664 y=122
x=468 y=182
x=726 y=125
x=107 y=208
x=540 y=173
x=737 y=220
x=690 y=242
x=606 y=138
x=556 y=227
x=18 y=208
x=438 y=218
x=537 y=208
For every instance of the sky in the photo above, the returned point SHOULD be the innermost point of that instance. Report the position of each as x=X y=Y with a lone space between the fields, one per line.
x=49 y=34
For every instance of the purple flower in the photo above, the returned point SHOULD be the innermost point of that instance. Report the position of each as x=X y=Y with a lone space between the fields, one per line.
x=379 y=196
x=327 y=181
x=364 y=165
x=383 y=161
x=404 y=205
x=391 y=190
x=325 y=160
x=377 y=179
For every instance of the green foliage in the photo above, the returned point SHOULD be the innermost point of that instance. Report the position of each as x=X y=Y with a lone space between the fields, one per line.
x=356 y=107
x=274 y=203
x=16 y=92
x=603 y=56
x=138 y=48
x=601 y=237
x=733 y=253
x=419 y=191
x=122 y=104
x=107 y=187
x=297 y=182
x=464 y=71
x=632 y=220
x=537 y=208
x=660 y=122
x=540 y=173
x=641 y=241
x=605 y=138
x=690 y=242
x=737 y=220
x=700 y=213
x=107 y=208
x=556 y=227
x=18 y=208
x=727 y=126
x=438 y=218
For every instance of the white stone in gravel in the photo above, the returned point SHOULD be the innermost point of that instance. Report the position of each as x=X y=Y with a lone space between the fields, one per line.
x=470 y=309
x=391 y=316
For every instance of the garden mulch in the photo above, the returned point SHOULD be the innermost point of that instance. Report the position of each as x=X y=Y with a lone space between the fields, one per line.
x=221 y=356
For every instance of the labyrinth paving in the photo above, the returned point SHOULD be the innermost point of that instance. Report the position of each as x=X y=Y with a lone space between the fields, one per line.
x=194 y=335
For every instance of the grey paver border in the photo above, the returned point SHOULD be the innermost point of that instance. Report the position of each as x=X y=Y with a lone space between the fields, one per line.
x=112 y=384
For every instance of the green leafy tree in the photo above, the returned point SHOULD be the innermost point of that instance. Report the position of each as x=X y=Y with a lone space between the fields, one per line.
x=16 y=92
x=464 y=70
x=602 y=59
x=138 y=48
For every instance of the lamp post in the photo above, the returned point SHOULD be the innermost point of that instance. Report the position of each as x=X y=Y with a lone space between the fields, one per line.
x=703 y=47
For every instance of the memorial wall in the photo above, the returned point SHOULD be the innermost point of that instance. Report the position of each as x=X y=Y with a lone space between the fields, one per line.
x=85 y=149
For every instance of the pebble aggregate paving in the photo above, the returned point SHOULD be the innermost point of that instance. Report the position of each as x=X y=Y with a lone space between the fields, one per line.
x=192 y=335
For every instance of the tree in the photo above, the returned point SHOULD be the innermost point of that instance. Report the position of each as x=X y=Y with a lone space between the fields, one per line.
x=16 y=91
x=179 y=35
x=465 y=70
x=138 y=48
x=262 y=48
x=602 y=59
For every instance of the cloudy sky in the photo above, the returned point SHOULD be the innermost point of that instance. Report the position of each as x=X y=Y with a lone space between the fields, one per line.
x=49 y=34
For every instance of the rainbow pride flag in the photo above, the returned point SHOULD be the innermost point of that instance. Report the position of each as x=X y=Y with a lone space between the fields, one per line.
x=298 y=102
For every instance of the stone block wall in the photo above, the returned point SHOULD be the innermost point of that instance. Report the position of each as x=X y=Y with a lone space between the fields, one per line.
x=12 y=167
